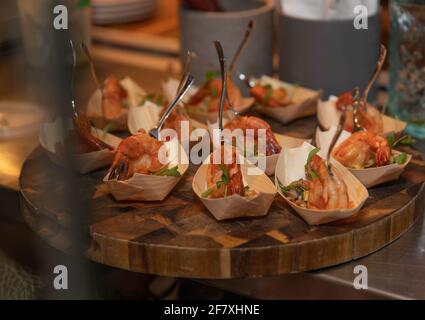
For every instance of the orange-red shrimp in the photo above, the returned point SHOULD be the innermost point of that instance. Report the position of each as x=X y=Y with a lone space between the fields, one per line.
x=225 y=179
x=209 y=95
x=113 y=95
x=174 y=121
x=255 y=123
x=326 y=191
x=369 y=118
x=274 y=98
x=363 y=149
x=136 y=154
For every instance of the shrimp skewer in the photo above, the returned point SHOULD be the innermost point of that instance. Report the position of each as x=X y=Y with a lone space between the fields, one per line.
x=326 y=191
x=208 y=94
x=323 y=190
x=82 y=138
x=363 y=149
x=368 y=116
x=224 y=179
x=269 y=97
x=255 y=123
x=136 y=154
x=113 y=95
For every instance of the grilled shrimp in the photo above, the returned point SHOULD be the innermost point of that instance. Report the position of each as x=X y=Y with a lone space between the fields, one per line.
x=255 y=123
x=326 y=191
x=136 y=154
x=209 y=95
x=362 y=149
x=112 y=98
x=225 y=179
x=274 y=98
x=370 y=117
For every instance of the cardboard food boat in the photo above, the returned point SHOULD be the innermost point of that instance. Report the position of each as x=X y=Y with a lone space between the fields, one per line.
x=303 y=101
x=271 y=161
x=94 y=107
x=236 y=206
x=150 y=187
x=55 y=132
x=328 y=115
x=170 y=88
x=370 y=177
x=147 y=116
x=291 y=167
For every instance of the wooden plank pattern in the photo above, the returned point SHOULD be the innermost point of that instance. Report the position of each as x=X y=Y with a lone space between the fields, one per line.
x=179 y=237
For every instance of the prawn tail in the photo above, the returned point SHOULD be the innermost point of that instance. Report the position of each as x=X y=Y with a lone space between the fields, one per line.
x=382 y=157
x=119 y=170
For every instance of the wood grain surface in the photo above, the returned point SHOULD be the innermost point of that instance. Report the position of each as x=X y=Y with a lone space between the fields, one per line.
x=179 y=237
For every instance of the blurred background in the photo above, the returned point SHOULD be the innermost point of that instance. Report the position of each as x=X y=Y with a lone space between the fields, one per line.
x=145 y=39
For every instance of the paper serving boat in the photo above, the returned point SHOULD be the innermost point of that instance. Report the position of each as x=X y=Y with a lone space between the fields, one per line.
x=170 y=88
x=235 y=206
x=146 y=117
x=55 y=132
x=290 y=167
x=94 y=107
x=149 y=187
x=271 y=161
x=370 y=177
x=328 y=115
x=304 y=101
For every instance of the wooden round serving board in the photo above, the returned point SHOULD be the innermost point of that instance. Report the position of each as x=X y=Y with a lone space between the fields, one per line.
x=179 y=237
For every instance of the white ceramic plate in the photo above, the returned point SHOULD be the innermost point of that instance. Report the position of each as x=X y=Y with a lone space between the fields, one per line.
x=19 y=118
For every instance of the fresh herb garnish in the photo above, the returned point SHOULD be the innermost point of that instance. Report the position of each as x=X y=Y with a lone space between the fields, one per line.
x=391 y=140
x=169 y=172
x=225 y=179
x=400 y=159
x=83 y=3
x=160 y=100
x=157 y=99
x=268 y=94
x=214 y=92
x=404 y=140
x=225 y=175
x=310 y=172
x=211 y=75
x=293 y=186
x=311 y=155
x=207 y=193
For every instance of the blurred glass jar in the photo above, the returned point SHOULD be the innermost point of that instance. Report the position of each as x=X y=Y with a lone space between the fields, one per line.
x=43 y=44
x=407 y=64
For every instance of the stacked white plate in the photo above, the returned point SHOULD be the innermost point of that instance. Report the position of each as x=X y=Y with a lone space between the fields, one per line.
x=121 y=11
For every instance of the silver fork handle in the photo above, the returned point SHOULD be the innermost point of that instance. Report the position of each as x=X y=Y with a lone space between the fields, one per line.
x=378 y=68
x=92 y=66
x=188 y=81
x=335 y=138
x=74 y=65
x=223 y=70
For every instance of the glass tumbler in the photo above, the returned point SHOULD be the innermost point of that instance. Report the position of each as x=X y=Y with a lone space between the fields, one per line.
x=407 y=64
